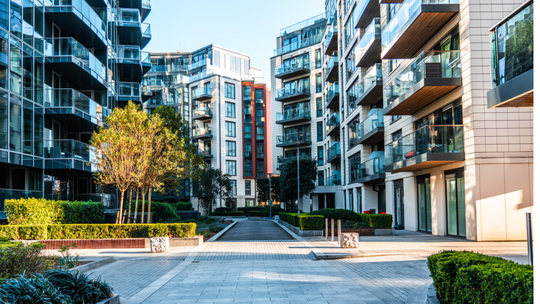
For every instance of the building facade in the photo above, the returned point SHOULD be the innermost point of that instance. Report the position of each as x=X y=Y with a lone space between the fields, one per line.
x=65 y=66
x=416 y=138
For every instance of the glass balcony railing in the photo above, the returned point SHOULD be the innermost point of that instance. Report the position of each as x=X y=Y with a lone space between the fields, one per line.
x=202 y=132
x=146 y=3
x=129 y=17
x=202 y=112
x=333 y=91
x=6 y=194
x=333 y=121
x=371 y=167
x=332 y=62
x=289 y=92
x=298 y=45
x=328 y=39
x=201 y=92
x=359 y=10
x=311 y=21
x=128 y=89
x=85 y=12
x=132 y=54
x=69 y=47
x=152 y=82
x=168 y=68
x=67 y=149
x=428 y=139
x=292 y=138
x=373 y=121
x=298 y=113
x=69 y=99
x=335 y=179
x=198 y=64
x=297 y=64
x=146 y=29
x=334 y=150
x=207 y=152
x=408 y=12
x=373 y=75
x=433 y=64
x=372 y=32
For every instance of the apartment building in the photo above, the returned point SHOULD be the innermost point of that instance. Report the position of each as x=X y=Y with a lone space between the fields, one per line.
x=416 y=138
x=65 y=66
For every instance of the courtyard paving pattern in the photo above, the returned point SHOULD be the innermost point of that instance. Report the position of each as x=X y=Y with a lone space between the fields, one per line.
x=269 y=266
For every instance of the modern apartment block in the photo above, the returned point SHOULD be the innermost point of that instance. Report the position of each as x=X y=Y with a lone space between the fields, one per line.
x=65 y=65
x=411 y=133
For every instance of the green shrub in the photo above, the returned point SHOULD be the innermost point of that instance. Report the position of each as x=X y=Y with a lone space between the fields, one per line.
x=232 y=213
x=292 y=219
x=78 y=286
x=21 y=258
x=32 y=289
x=283 y=216
x=181 y=206
x=96 y=231
x=382 y=221
x=337 y=214
x=224 y=209
x=311 y=222
x=248 y=210
x=353 y=224
x=37 y=211
x=164 y=213
x=468 y=277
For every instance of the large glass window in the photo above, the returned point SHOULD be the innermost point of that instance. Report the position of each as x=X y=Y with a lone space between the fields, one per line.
x=4 y=14
x=320 y=156
x=15 y=127
x=455 y=203
x=230 y=129
x=259 y=96
x=247 y=114
x=16 y=19
x=38 y=134
x=28 y=127
x=354 y=129
x=320 y=135
x=424 y=203
x=3 y=123
x=231 y=148
x=319 y=83
x=350 y=30
x=248 y=187
x=247 y=93
x=229 y=90
x=248 y=151
x=260 y=151
x=248 y=168
x=3 y=63
x=248 y=132
x=260 y=133
x=319 y=107
x=233 y=187
x=351 y=65
x=318 y=58
x=260 y=169
x=354 y=165
x=230 y=110
x=231 y=167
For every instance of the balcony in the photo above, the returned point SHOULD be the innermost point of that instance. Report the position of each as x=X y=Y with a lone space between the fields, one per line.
x=364 y=12
x=331 y=70
x=130 y=29
x=372 y=170
x=330 y=43
x=368 y=50
x=202 y=114
x=414 y=24
x=369 y=90
x=292 y=139
x=298 y=45
x=372 y=128
x=168 y=68
x=144 y=6
x=198 y=64
x=427 y=78
x=332 y=126
x=68 y=154
x=335 y=179
x=132 y=63
x=200 y=94
x=427 y=147
x=334 y=153
x=78 y=19
x=206 y=153
x=297 y=67
x=74 y=108
x=73 y=61
x=291 y=116
x=126 y=91
x=332 y=97
x=512 y=61
x=202 y=133
x=288 y=94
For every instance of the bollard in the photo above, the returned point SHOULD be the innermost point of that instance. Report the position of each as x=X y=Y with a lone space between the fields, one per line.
x=529 y=238
x=332 y=224
x=339 y=232
x=326 y=229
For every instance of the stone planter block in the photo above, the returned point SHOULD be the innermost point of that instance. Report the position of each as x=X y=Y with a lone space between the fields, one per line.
x=159 y=244
x=348 y=240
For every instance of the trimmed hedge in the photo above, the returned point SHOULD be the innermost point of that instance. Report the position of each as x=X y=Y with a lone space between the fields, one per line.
x=310 y=222
x=184 y=206
x=249 y=210
x=96 y=231
x=337 y=214
x=231 y=213
x=39 y=211
x=381 y=221
x=468 y=277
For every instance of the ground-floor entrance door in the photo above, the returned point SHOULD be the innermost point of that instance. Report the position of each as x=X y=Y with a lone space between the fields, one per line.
x=381 y=196
x=424 y=203
x=455 y=203
x=398 y=205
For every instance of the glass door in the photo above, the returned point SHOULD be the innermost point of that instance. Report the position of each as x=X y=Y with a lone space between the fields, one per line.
x=424 y=203
x=398 y=205
x=455 y=203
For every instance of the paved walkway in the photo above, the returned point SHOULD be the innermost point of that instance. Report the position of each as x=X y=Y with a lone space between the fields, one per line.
x=284 y=271
x=255 y=230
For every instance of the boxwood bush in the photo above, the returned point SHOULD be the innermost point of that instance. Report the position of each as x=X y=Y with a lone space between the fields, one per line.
x=310 y=222
x=468 y=277
x=381 y=221
x=230 y=213
x=96 y=231
x=183 y=206
x=337 y=214
x=38 y=211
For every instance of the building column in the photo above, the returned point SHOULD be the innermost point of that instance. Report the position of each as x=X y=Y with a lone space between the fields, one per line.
x=410 y=204
x=438 y=202
x=369 y=198
x=389 y=200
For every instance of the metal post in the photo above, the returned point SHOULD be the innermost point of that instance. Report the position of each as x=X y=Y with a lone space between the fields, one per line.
x=270 y=193
x=332 y=224
x=326 y=228
x=529 y=238
x=298 y=171
x=339 y=232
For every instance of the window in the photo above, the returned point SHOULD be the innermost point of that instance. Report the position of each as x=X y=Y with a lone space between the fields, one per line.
x=354 y=128
x=247 y=132
x=395 y=118
x=354 y=165
x=319 y=131
x=260 y=169
x=248 y=168
x=247 y=114
x=318 y=59
x=350 y=29
x=247 y=151
x=260 y=133
x=319 y=83
x=248 y=187
x=259 y=96
x=359 y=198
x=230 y=110
x=229 y=90
x=320 y=178
x=351 y=199
x=260 y=151
x=230 y=129
x=351 y=65
x=231 y=167
x=319 y=107
x=351 y=99
x=231 y=148
x=297 y=86
x=250 y=203
x=233 y=187
x=247 y=93
x=320 y=155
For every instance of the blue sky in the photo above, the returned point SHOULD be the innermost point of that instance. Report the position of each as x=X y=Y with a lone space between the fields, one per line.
x=246 y=26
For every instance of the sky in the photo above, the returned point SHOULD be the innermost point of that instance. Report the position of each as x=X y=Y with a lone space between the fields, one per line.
x=246 y=26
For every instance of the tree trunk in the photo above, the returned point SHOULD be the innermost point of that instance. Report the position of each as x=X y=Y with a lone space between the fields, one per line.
x=121 y=207
x=136 y=205
x=149 y=205
x=143 y=192
x=129 y=210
